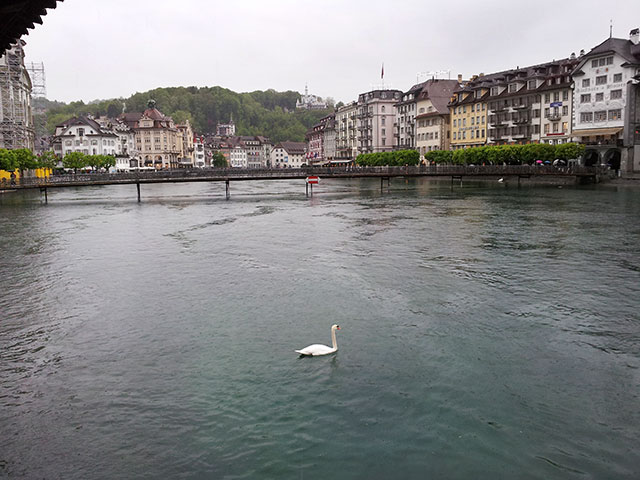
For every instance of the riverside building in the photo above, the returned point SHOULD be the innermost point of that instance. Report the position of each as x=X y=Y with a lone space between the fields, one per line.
x=607 y=104
x=432 y=119
x=376 y=117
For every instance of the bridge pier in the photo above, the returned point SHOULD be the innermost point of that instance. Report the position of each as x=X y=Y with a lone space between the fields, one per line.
x=138 y=187
x=228 y=192
x=44 y=189
x=382 y=179
x=456 y=177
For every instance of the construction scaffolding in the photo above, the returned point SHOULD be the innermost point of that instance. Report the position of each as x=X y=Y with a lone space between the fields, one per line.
x=38 y=79
x=16 y=119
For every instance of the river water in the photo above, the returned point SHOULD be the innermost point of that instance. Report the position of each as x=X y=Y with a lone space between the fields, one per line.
x=487 y=331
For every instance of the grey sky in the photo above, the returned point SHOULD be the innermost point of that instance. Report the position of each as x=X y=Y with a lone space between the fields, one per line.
x=96 y=50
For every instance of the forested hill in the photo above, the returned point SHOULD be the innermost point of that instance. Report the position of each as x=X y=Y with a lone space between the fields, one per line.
x=269 y=113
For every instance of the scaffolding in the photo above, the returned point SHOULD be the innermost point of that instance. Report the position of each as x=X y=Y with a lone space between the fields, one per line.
x=38 y=79
x=16 y=120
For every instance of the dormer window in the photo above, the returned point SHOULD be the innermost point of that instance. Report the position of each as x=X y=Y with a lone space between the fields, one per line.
x=531 y=85
x=513 y=87
x=494 y=91
x=81 y=132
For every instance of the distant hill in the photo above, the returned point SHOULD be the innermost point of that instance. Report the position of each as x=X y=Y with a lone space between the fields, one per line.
x=267 y=113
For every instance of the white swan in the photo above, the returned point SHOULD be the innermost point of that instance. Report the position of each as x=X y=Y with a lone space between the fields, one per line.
x=318 y=349
x=501 y=180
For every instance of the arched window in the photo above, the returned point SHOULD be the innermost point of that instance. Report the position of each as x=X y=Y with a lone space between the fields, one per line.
x=383 y=109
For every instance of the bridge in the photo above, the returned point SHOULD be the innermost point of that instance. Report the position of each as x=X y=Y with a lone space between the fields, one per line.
x=455 y=172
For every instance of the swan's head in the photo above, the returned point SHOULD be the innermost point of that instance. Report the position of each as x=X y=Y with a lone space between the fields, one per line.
x=335 y=327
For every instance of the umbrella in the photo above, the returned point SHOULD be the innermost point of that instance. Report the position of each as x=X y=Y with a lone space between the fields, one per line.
x=547 y=162
x=538 y=161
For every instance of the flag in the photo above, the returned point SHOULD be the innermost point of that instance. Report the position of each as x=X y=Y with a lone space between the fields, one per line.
x=382 y=73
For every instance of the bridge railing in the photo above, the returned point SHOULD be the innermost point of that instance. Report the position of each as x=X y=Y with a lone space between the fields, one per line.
x=238 y=173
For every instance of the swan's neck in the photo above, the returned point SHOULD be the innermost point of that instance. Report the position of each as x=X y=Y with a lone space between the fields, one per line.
x=334 y=343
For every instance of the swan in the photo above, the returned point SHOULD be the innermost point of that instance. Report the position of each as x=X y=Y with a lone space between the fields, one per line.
x=501 y=180
x=318 y=349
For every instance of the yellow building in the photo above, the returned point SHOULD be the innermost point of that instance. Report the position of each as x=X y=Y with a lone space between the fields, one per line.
x=468 y=116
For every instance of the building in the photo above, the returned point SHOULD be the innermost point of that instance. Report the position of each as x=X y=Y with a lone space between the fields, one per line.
x=238 y=156
x=346 y=131
x=156 y=137
x=226 y=129
x=405 y=125
x=329 y=137
x=468 y=114
x=289 y=155
x=198 y=152
x=16 y=118
x=310 y=102
x=376 y=116
x=607 y=104
x=84 y=134
x=185 y=145
x=432 y=115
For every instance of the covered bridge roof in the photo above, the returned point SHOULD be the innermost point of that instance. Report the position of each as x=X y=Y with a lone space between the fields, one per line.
x=16 y=16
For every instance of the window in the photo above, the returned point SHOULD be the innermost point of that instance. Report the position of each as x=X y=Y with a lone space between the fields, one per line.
x=599 y=97
x=383 y=132
x=547 y=98
x=382 y=108
x=600 y=116
x=601 y=80
x=464 y=122
x=609 y=60
x=483 y=132
x=594 y=63
x=617 y=77
x=494 y=91
x=454 y=136
x=531 y=85
x=477 y=133
x=586 y=82
x=586 y=117
x=565 y=127
x=536 y=113
x=472 y=134
x=565 y=110
x=80 y=132
x=555 y=127
x=565 y=95
x=556 y=96
x=546 y=112
x=473 y=121
x=383 y=120
x=616 y=94
x=585 y=98
x=615 y=114
x=455 y=122
x=513 y=87
x=546 y=128
x=464 y=109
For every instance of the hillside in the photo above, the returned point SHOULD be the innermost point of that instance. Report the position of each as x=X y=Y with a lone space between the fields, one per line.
x=267 y=113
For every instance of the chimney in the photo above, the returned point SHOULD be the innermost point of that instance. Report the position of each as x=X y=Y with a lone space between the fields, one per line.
x=459 y=78
x=573 y=56
x=581 y=52
x=634 y=36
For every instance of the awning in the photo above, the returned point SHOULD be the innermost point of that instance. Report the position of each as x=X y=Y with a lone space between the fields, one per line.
x=592 y=132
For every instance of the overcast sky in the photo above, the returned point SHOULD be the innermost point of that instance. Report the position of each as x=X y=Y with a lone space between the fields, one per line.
x=106 y=49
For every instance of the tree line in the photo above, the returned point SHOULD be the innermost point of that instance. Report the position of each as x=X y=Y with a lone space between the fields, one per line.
x=393 y=159
x=509 y=154
x=268 y=113
x=23 y=159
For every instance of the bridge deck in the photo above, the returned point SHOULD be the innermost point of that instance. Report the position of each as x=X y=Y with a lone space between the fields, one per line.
x=227 y=174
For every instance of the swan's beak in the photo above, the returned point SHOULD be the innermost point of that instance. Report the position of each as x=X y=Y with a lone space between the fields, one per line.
x=338 y=328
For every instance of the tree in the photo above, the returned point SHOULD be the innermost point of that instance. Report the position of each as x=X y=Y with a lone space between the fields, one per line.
x=26 y=159
x=8 y=160
x=218 y=160
x=74 y=160
x=48 y=160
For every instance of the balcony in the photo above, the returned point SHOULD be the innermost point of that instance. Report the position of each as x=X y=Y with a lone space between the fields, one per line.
x=553 y=117
x=522 y=106
x=520 y=121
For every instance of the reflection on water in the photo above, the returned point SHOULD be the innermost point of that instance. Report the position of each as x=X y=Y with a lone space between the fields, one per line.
x=486 y=332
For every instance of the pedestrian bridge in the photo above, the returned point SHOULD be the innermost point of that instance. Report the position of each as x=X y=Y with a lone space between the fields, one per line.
x=454 y=172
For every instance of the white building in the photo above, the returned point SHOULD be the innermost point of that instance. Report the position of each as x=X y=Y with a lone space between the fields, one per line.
x=310 y=102
x=288 y=155
x=606 y=97
x=84 y=134
x=376 y=118
x=238 y=157
x=198 y=150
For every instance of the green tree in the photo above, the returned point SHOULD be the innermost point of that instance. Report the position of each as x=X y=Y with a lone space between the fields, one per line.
x=48 y=159
x=8 y=160
x=74 y=160
x=218 y=160
x=26 y=159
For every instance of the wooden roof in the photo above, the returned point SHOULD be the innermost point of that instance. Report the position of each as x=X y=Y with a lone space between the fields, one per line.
x=18 y=16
